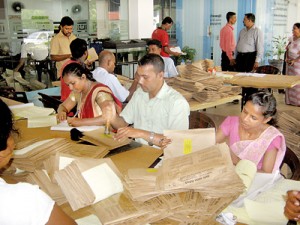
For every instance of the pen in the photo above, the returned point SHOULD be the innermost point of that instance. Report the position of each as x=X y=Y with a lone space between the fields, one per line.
x=106 y=129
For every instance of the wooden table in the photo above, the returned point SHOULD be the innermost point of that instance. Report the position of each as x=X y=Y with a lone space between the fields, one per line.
x=268 y=81
x=195 y=106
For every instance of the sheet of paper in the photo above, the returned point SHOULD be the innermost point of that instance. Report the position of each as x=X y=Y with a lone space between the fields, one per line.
x=89 y=220
x=21 y=106
x=29 y=111
x=251 y=74
x=64 y=126
x=64 y=162
x=31 y=147
x=103 y=181
x=43 y=121
x=92 y=55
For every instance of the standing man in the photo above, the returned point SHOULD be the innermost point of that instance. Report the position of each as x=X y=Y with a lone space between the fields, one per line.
x=227 y=43
x=162 y=35
x=153 y=108
x=250 y=45
x=154 y=46
x=104 y=74
x=60 y=44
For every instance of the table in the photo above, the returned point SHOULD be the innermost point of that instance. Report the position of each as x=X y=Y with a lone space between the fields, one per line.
x=268 y=81
x=195 y=106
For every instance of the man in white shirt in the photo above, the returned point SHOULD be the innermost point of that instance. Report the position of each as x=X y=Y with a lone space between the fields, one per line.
x=154 y=107
x=104 y=74
x=154 y=46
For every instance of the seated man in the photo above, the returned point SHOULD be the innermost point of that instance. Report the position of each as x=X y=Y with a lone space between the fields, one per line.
x=104 y=74
x=154 y=107
x=154 y=46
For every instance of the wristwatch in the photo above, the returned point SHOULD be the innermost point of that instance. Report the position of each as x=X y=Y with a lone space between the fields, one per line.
x=151 y=138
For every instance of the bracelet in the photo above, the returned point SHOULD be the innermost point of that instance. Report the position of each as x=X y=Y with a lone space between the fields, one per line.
x=151 y=138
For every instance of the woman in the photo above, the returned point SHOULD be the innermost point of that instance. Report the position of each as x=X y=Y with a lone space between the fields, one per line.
x=292 y=95
x=251 y=135
x=23 y=203
x=89 y=96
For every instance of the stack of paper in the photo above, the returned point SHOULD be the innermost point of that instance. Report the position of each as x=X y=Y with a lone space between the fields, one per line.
x=97 y=137
x=189 y=85
x=28 y=110
x=32 y=157
x=88 y=181
x=64 y=126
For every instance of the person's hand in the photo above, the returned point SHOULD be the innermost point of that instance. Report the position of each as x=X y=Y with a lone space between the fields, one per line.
x=127 y=132
x=164 y=142
x=290 y=62
x=74 y=121
x=255 y=66
x=292 y=205
x=232 y=62
x=61 y=116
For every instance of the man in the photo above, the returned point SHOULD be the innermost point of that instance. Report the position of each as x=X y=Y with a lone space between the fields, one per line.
x=161 y=34
x=104 y=74
x=79 y=54
x=250 y=46
x=60 y=44
x=227 y=43
x=154 y=46
x=154 y=107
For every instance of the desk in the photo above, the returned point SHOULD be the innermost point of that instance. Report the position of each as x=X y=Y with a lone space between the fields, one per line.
x=195 y=106
x=268 y=81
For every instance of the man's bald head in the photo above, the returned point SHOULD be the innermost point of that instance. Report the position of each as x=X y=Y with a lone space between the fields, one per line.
x=107 y=60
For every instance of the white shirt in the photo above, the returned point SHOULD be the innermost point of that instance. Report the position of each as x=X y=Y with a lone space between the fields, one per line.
x=24 y=204
x=168 y=110
x=101 y=75
x=251 y=41
x=170 y=69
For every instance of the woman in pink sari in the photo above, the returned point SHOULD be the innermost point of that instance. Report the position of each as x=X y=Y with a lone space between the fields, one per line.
x=89 y=96
x=252 y=135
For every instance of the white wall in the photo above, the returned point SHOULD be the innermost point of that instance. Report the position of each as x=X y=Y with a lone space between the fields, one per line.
x=140 y=18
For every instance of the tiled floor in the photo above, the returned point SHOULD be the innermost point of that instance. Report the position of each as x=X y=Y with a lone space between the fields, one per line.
x=220 y=112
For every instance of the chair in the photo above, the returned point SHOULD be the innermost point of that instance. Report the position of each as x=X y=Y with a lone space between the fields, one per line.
x=50 y=101
x=246 y=92
x=292 y=161
x=200 y=120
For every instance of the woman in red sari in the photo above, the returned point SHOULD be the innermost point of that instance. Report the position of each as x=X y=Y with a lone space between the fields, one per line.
x=89 y=96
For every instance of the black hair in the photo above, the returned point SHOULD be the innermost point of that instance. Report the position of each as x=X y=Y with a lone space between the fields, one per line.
x=167 y=20
x=268 y=104
x=229 y=15
x=78 y=47
x=66 y=21
x=154 y=42
x=250 y=16
x=6 y=125
x=153 y=59
x=297 y=25
x=76 y=69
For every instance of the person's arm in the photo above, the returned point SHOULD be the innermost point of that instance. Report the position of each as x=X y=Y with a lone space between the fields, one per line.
x=65 y=107
x=133 y=86
x=58 y=58
x=269 y=161
x=170 y=52
x=59 y=217
x=153 y=138
x=21 y=63
x=292 y=205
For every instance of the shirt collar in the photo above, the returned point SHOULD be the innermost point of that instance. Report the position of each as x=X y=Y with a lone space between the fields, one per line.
x=229 y=25
x=163 y=91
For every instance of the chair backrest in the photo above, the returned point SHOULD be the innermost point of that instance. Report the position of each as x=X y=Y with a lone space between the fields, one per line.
x=267 y=69
x=200 y=120
x=50 y=101
x=293 y=163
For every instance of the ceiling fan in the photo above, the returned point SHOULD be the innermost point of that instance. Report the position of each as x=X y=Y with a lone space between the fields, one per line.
x=76 y=9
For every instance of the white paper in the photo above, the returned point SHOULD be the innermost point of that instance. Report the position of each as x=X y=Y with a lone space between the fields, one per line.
x=43 y=121
x=103 y=181
x=20 y=106
x=31 y=147
x=64 y=162
x=64 y=126
x=251 y=74
x=89 y=220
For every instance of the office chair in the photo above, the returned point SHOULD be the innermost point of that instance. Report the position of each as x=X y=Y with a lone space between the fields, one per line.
x=292 y=161
x=200 y=120
x=267 y=69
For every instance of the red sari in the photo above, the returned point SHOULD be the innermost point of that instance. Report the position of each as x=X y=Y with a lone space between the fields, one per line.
x=89 y=108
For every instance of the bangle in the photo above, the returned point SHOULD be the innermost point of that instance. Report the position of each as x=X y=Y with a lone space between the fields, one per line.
x=151 y=138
